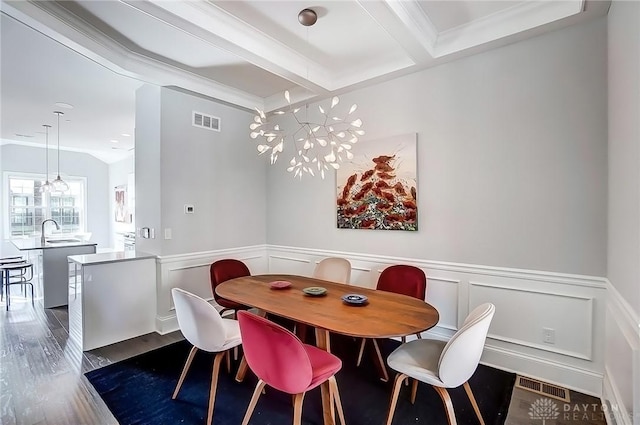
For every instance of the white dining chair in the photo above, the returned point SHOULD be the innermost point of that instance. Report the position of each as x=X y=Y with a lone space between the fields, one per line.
x=333 y=269
x=202 y=326
x=443 y=364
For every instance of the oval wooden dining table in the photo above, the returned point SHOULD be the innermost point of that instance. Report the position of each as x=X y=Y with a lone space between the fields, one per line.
x=385 y=315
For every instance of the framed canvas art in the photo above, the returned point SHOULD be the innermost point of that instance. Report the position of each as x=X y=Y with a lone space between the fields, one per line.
x=377 y=189
x=122 y=214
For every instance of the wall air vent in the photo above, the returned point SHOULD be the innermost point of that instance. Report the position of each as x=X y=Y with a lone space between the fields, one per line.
x=205 y=121
x=543 y=388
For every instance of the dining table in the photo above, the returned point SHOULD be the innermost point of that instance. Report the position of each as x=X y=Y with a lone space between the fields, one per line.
x=383 y=314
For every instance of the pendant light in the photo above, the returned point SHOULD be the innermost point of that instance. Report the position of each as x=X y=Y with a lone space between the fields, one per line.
x=320 y=144
x=59 y=185
x=46 y=187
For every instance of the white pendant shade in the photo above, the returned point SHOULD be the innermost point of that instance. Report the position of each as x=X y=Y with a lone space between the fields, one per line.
x=58 y=184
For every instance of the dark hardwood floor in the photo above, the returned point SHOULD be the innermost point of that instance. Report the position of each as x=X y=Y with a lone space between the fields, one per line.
x=42 y=376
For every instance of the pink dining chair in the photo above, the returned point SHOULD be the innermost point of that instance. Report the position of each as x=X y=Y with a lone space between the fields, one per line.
x=279 y=359
x=202 y=326
x=399 y=279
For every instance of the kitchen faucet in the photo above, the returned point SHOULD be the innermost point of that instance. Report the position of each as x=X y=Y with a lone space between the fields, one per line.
x=42 y=239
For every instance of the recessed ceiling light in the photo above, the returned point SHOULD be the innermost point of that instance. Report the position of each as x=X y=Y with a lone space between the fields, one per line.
x=64 y=105
x=125 y=135
x=114 y=141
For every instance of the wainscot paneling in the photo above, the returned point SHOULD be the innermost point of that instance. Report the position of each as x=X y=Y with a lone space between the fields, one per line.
x=191 y=273
x=622 y=366
x=527 y=301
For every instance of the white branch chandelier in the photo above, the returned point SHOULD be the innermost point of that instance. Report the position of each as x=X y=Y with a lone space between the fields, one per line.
x=319 y=145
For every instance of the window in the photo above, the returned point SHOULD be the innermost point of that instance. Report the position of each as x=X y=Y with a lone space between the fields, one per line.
x=28 y=207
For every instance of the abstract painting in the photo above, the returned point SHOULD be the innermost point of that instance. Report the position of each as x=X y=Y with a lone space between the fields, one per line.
x=122 y=209
x=377 y=189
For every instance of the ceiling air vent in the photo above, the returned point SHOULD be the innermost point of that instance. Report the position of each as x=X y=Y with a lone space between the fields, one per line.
x=543 y=388
x=205 y=121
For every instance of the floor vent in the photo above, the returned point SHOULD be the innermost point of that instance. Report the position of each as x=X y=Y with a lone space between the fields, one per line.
x=543 y=388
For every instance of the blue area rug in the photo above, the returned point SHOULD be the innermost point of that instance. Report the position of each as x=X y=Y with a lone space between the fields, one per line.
x=138 y=391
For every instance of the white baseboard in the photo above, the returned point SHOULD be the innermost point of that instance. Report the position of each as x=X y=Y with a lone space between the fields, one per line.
x=559 y=373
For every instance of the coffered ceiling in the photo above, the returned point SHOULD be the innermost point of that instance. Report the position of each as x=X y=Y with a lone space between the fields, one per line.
x=249 y=52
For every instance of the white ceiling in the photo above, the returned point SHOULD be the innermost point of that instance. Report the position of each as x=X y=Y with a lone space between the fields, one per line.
x=94 y=54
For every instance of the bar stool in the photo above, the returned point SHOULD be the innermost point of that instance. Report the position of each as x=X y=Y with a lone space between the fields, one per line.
x=22 y=268
x=3 y=261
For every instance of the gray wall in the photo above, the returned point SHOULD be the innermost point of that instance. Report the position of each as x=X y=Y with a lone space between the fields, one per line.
x=216 y=172
x=624 y=199
x=512 y=160
x=27 y=159
x=624 y=151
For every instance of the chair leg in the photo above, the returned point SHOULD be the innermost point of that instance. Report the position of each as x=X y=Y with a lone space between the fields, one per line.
x=242 y=370
x=446 y=399
x=214 y=384
x=227 y=355
x=254 y=400
x=467 y=388
x=336 y=398
x=184 y=371
x=297 y=408
x=361 y=351
x=397 y=384
x=414 y=391
x=419 y=335
x=383 y=368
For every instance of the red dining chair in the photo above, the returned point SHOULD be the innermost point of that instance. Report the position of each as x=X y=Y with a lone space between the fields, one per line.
x=399 y=279
x=279 y=359
x=221 y=271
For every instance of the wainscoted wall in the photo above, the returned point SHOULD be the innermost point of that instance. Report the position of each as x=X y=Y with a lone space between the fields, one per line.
x=191 y=272
x=622 y=368
x=527 y=301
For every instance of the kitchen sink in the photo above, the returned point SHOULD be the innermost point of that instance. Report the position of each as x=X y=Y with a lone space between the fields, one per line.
x=55 y=241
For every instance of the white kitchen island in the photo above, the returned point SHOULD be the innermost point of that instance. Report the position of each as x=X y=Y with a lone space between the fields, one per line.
x=53 y=268
x=111 y=298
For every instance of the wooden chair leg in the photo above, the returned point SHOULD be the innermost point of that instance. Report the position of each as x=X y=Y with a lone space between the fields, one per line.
x=187 y=364
x=361 y=351
x=414 y=391
x=446 y=399
x=297 y=409
x=381 y=365
x=336 y=399
x=397 y=384
x=242 y=370
x=214 y=384
x=227 y=355
x=252 y=403
x=467 y=388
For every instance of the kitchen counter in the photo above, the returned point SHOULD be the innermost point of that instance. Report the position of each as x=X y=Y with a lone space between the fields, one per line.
x=53 y=266
x=110 y=257
x=112 y=297
x=36 y=243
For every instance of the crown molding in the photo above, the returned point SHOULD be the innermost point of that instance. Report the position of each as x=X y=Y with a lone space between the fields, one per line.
x=211 y=23
x=58 y=24
x=516 y=19
x=417 y=22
